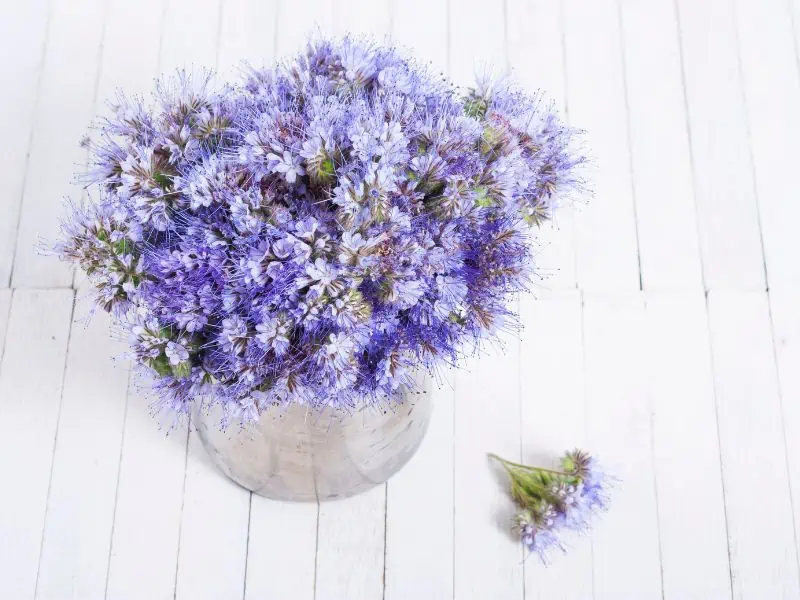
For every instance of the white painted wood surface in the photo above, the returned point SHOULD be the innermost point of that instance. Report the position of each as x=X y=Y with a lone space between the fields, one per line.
x=64 y=106
x=693 y=116
x=752 y=439
x=730 y=232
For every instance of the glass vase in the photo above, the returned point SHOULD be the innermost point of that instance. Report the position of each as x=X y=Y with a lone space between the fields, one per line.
x=298 y=453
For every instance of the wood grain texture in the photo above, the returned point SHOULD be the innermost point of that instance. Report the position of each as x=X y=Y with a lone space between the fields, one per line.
x=23 y=35
x=662 y=174
x=772 y=96
x=730 y=237
x=686 y=447
x=31 y=382
x=606 y=238
x=64 y=109
x=553 y=420
x=77 y=532
x=625 y=542
x=763 y=552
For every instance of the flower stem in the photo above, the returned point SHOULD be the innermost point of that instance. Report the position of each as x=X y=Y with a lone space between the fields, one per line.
x=508 y=463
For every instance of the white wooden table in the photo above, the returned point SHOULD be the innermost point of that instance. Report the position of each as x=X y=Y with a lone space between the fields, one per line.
x=667 y=339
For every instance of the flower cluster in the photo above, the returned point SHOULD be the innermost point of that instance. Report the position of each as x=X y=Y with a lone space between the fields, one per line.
x=552 y=502
x=317 y=231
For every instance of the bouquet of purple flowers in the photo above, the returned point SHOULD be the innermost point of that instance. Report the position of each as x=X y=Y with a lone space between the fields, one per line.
x=319 y=231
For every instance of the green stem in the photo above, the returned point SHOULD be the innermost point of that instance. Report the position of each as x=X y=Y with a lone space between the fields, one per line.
x=508 y=463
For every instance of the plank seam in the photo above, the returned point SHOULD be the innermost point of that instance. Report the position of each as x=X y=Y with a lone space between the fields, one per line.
x=183 y=503
x=689 y=145
x=629 y=141
x=719 y=441
x=119 y=471
x=247 y=544
x=795 y=39
x=5 y=333
x=582 y=294
x=654 y=466
x=749 y=144
x=55 y=444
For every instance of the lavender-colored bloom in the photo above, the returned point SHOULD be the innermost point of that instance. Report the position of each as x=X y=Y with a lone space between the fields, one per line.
x=553 y=502
x=290 y=166
x=331 y=223
x=176 y=353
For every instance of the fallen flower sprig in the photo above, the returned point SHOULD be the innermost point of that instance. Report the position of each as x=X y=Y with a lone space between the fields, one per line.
x=554 y=501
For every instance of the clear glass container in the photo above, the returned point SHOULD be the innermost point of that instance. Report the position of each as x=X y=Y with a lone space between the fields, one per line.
x=297 y=453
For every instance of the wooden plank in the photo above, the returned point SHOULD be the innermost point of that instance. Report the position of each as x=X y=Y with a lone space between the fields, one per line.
x=369 y=17
x=762 y=550
x=477 y=43
x=23 y=30
x=65 y=107
x=350 y=547
x=31 y=380
x=786 y=336
x=248 y=32
x=292 y=33
x=625 y=541
x=282 y=546
x=553 y=420
x=538 y=64
x=213 y=545
x=686 y=448
x=425 y=39
x=5 y=308
x=772 y=96
x=488 y=556
x=605 y=230
x=77 y=533
x=662 y=172
x=144 y=546
x=190 y=35
x=414 y=569
x=130 y=49
x=730 y=240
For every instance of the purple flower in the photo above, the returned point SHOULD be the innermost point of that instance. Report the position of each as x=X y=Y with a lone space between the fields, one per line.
x=176 y=353
x=290 y=166
x=554 y=501
x=332 y=223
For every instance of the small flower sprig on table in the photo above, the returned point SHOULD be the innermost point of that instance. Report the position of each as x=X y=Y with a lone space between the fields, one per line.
x=554 y=501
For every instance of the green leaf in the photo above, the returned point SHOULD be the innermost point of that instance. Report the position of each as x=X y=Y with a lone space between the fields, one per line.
x=162 y=179
x=161 y=365
x=123 y=246
x=182 y=369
